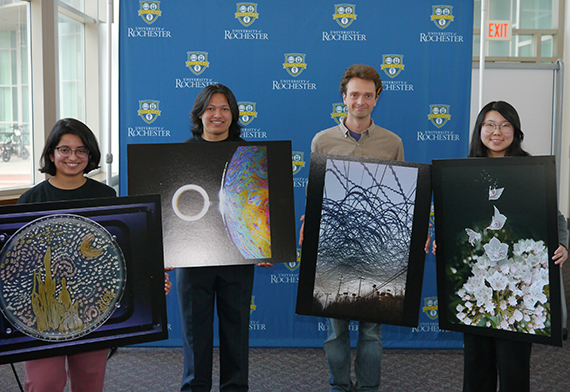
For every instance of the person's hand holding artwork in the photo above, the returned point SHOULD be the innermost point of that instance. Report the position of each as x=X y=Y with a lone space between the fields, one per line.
x=301 y=232
x=167 y=282
x=560 y=255
x=265 y=265
x=428 y=241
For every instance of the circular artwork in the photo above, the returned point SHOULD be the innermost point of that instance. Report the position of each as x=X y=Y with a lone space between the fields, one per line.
x=61 y=277
x=188 y=188
x=244 y=202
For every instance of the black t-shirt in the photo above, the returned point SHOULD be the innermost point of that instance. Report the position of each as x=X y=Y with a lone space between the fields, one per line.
x=199 y=139
x=45 y=191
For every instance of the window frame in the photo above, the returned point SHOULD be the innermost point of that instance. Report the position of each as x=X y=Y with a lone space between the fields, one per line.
x=537 y=35
x=44 y=71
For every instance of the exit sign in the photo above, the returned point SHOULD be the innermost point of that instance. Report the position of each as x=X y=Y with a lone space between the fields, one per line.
x=499 y=30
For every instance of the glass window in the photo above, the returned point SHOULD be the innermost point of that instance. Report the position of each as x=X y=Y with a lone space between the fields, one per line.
x=16 y=167
x=547 y=46
x=71 y=68
x=524 y=14
x=498 y=48
x=6 y=55
x=524 y=46
x=77 y=4
x=536 y=14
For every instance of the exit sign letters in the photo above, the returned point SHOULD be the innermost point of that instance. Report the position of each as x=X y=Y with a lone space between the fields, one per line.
x=499 y=30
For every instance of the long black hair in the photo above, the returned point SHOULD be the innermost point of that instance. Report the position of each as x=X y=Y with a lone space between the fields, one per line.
x=70 y=126
x=201 y=103
x=505 y=109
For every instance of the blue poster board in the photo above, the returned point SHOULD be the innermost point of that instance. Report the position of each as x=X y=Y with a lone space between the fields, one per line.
x=283 y=60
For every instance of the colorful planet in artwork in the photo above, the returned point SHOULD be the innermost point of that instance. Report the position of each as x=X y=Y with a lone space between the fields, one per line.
x=244 y=202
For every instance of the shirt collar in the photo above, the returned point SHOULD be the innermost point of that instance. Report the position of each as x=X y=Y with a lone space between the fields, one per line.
x=346 y=132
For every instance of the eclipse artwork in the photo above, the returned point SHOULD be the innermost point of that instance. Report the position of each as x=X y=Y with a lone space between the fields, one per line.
x=223 y=203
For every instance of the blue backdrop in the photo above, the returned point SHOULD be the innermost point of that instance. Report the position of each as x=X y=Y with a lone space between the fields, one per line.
x=283 y=60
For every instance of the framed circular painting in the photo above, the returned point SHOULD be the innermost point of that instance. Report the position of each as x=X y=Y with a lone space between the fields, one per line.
x=61 y=277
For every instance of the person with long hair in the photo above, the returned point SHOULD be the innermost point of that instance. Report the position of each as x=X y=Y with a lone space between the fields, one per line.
x=215 y=118
x=497 y=133
x=70 y=152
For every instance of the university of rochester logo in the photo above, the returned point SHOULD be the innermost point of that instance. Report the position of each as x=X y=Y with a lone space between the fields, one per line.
x=150 y=11
x=339 y=112
x=392 y=64
x=298 y=162
x=442 y=15
x=148 y=110
x=252 y=306
x=246 y=13
x=292 y=266
x=439 y=115
x=294 y=63
x=430 y=308
x=197 y=62
x=344 y=14
x=247 y=112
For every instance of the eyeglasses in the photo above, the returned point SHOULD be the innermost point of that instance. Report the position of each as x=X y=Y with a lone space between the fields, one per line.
x=492 y=127
x=66 y=151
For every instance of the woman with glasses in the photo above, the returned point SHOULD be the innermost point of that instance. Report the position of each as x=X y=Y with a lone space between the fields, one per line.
x=71 y=150
x=497 y=133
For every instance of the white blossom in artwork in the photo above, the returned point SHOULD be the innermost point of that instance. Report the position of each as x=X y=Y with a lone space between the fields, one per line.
x=495 y=250
x=498 y=220
x=495 y=193
x=508 y=287
x=498 y=282
x=474 y=237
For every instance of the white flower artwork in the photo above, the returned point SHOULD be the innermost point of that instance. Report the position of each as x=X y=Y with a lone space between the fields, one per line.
x=498 y=220
x=509 y=284
x=495 y=250
x=473 y=236
x=495 y=193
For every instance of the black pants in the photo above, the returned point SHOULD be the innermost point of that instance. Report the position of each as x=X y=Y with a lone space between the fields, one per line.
x=484 y=356
x=230 y=288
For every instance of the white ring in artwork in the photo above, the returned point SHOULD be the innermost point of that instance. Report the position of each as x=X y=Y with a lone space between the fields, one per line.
x=195 y=188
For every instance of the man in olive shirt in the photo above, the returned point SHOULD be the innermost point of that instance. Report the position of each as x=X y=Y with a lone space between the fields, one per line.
x=357 y=136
